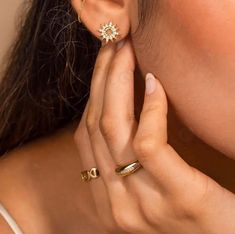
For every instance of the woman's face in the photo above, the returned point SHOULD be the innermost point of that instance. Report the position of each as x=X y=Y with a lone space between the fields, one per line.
x=190 y=47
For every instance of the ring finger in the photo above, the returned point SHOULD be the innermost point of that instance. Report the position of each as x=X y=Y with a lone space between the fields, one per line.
x=97 y=186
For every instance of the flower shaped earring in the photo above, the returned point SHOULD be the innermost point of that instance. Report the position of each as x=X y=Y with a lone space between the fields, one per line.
x=109 y=32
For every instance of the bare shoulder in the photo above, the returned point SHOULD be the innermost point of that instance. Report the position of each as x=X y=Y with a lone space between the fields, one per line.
x=36 y=160
x=31 y=178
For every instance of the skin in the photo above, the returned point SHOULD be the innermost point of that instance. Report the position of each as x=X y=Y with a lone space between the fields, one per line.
x=41 y=181
x=200 y=85
x=192 y=53
x=155 y=200
x=164 y=176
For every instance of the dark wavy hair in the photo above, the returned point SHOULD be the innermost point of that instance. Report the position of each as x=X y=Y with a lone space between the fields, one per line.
x=47 y=80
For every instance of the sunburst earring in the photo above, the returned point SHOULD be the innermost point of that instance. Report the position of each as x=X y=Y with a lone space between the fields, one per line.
x=109 y=32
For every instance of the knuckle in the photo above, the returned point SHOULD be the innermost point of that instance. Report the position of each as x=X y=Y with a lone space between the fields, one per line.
x=145 y=146
x=108 y=128
x=106 y=124
x=156 y=106
x=92 y=123
x=125 y=222
x=153 y=107
x=152 y=215
x=182 y=210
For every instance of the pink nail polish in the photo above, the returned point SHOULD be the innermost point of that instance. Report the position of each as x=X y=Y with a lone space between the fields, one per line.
x=150 y=84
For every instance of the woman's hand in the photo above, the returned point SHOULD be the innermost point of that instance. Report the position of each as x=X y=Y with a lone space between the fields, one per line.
x=166 y=195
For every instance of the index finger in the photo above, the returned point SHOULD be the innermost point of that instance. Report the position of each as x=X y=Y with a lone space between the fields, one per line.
x=118 y=118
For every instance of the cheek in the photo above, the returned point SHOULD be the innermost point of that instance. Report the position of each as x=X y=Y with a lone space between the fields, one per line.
x=192 y=51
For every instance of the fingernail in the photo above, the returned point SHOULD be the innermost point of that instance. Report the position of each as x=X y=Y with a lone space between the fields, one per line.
x=150 y=84
x=120 y=44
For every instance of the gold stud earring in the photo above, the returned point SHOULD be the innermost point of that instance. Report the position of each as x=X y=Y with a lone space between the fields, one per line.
x=109 y=32
x=80 y=14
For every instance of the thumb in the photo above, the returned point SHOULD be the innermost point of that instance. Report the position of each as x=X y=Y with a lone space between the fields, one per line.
x=153 y=118
x=150 y=143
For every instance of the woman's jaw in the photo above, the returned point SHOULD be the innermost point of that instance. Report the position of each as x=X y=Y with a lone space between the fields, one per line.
x=188 y=46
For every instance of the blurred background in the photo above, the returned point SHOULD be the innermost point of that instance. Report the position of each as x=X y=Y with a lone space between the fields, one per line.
x=8 y=22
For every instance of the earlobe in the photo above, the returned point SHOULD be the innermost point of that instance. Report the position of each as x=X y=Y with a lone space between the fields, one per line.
x=108 y=20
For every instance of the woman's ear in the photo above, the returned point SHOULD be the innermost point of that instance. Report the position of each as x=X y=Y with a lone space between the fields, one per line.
x=94 y=14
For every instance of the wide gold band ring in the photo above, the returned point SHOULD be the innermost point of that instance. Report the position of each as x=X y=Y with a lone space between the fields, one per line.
x=128 y=169
x=87 y=175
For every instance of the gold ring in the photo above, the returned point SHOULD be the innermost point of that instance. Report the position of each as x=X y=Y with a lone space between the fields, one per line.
x=128 y=169
x=87 y=175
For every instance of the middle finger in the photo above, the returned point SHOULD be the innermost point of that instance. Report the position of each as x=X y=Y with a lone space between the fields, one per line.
x=102 y=156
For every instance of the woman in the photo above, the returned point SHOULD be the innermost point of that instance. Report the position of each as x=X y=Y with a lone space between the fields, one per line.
x=179 y=180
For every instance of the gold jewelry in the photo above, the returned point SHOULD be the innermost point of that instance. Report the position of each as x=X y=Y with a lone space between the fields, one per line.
x=108 y=32
x=79 y=16
x=128 y=169
x=87 y=175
